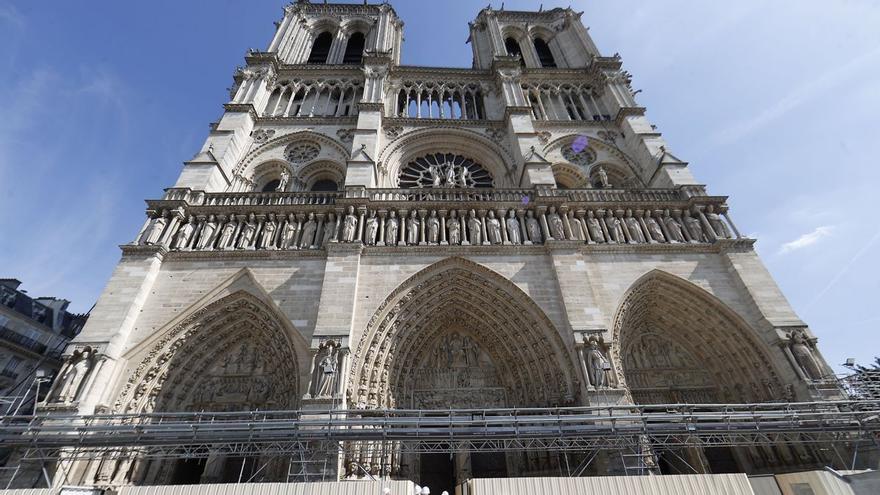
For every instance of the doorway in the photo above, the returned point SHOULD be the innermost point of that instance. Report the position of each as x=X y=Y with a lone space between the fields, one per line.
x=437 y=472
x=488 y=465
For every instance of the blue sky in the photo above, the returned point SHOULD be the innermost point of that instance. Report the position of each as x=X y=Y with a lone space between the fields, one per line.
x=772 y=103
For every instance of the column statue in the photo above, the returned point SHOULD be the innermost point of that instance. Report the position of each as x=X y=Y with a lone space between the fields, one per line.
x=673 y=227
x=533 y=227
x=802 y=351
x=226 y=235
x=372 y=229
x=454 y=229
x=653 y=227
x=268 y=239
x=597 y=364
x=156 y=229
x=594 y=228
x=391 y=229
x=615 y=228
x=635 y=230
x=474 y=229
x=248 y=230
x=307 y=241
x=694 y=228
x=554 y=222
x=207 y=234
x=513 y=233
x=349 y=227
x=288 y=235
x=717 y=223
x=412 y=229
x=329 y=229
x=493 y=228
x=282 y=182
x=181 y=239
x=433 y=228
x=78 y=367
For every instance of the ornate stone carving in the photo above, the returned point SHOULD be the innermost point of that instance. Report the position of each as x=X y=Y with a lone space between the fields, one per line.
x=803 y=352
x=584 y=157
x=299 y=153
x=309 y=229
x=79 y=365
x=262 y=135
x=391 y=227
x=349 y=226
x=533 y=228
x=493 y=229
x=444 y=170
x=514 y=234
x=554 y=223
x=345 y=135
x=181 y=239
x=393 y=131
x=324 y=376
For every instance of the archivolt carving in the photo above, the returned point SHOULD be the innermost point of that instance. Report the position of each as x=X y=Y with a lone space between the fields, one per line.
x=234 y=347
x=671 y=334
x=460 y=296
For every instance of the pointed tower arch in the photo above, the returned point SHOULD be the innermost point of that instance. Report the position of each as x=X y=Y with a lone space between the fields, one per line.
x=454 y=315
x=678 y=343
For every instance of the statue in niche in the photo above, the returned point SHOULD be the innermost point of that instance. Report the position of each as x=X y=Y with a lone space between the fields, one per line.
x=693 y=227
x=372 y=229
x=391 y=228
x=597 y=364
x=412 y=229
x=183 y=235
x=635 y=230
x=533 y=228
x=717 y=223
x=463 y=176
x=326 y=372
x=349 y=226
x=454 y=228
x=433 y=228
x=493 y=228
x=307 y=241
x=329 y=229
x=474 y=225
x=615 y=228
x=78 y=367
x=513 y=233
x=156 y=229
x=268 y=239
x=207 y=234
x=594 y=227
x=248 y=230
x=555 y=223
x=228 y=232
x=673 y=227
x=282 y=182
x=450 y=176
x=288 y=235
x=603 y=177
x=653 y=227
x=802 y=350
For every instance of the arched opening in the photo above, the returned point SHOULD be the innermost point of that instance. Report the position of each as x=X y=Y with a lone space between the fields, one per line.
x=545 y=56
x=679 y=344
x=272 y=185
x=235 y=354
x=457 y=335
x=321 y=48
x=325 y=185
x=354 y=49
x=513 y=49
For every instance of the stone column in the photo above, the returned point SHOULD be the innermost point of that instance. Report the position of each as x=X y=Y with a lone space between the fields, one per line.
x=443 y=241
x=542 y=217
x=422 y=214
x=482 y=215
x=401 y=227
x=521 y=215
x=502 y=219
x=382 y=214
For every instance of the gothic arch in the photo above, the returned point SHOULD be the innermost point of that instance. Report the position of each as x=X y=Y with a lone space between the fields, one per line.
x=267 y=172
x=274 y=149
x=463 y=142
x=322 y=170
x=458 y=296
x=675 y=342
x=569 y=176
x=240 y=347
x=608 y=154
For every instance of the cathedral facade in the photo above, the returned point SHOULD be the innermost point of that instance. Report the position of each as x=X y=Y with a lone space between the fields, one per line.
x=364 y=235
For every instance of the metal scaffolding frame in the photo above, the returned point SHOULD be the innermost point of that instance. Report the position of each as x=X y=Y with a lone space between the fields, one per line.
x=577 y=429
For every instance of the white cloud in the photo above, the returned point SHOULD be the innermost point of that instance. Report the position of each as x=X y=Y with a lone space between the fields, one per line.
x=807 y=239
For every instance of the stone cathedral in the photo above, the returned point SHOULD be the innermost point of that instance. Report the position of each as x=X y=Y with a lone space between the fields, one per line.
x=364 y=235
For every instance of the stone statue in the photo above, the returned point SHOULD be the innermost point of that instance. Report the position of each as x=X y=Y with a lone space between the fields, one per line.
x=533 y=228
x=349 y=226
x=412 y=229
x=181 y=239
x=513 y=233
x=597 y=365
x=493 y=229
x=288 y=235
x=307 y=241
x=603 y=177
x=454 y=228
x=802 y=351
x=269 y=228
x=595 y=228
x=156 y=228
x=226 y=235
x=615 y=228
x=450 y=176
x=282 y=183
x=636 y=235
x=436 y=179
x=673 y=227
x=207 y=233
x=474 y=225
x=391 y=228
x=326 y=374
x=79 y=366
x=372 y=229
x=463 y=176
x=557 y=231
x=694 y=228
x=329 y=230
x=717 y=223
x=433 y=228
x=653 y=228
x=248 y=230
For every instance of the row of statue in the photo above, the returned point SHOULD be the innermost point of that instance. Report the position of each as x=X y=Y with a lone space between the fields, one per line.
x=434 y=227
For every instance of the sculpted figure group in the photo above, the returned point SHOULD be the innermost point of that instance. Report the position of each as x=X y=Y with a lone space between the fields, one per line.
x=420 y=227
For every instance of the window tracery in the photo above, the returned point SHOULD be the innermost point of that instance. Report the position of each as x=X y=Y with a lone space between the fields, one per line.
x=444 y=170
x=435 y=100
x=309 y=98
x=298 y=153
x=584 y=157
x=564 y=102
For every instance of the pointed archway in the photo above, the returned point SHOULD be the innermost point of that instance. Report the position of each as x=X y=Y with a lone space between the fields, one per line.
x=457 y=335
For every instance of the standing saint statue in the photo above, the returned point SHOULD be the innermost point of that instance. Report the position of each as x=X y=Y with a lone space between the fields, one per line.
x=391 y=229
x=372 y=229
x=326 y=374
x=717 y=224
x=555 y=223
x=533 y=228
x=676 y=235
x=653 y=228
x=433 y=228
x=594 y=228
x=282 y=182
x=156 y=229
x=182 y=238
x=412 y=229
x=288 y=235
x=635 y=230
x=248 y=230
x=206 y=236
x=493 y=229
x=513 y=233
x=454 y=229
x=474 y=225
x=694 y=228
x=349 y=226
x=597 y=365
x=307 y=241
x=803 y=355
x=450 y=176
x=268 y=239
x=228 y=232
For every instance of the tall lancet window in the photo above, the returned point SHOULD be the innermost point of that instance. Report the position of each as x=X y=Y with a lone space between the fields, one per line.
x=321 y=48
x=354 y=50
x=545 y=56
x=513 y=49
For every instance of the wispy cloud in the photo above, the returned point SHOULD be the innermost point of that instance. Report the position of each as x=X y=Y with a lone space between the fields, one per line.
x=840 y=273
x=807 y=239
x=10 y=16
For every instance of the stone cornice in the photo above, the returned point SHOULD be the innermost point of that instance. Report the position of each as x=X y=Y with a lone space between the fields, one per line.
x=423 y=122
x=403 y=71
x=241 y=108
x=339 y=121
x=625 y=112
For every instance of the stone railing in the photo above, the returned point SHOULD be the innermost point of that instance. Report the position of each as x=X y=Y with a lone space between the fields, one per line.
x=197 y=221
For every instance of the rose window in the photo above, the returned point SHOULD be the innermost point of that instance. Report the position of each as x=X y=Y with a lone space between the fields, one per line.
x=443 y=170
x=583 y=157
x=301 y=152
